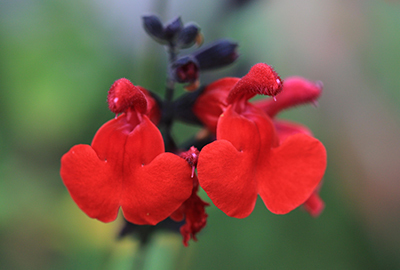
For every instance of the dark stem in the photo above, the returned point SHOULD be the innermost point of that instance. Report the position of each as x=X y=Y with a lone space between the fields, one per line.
x=172 y=54
x=168 y=110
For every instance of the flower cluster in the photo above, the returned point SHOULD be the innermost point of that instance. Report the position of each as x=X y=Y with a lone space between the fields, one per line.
x=134 y=163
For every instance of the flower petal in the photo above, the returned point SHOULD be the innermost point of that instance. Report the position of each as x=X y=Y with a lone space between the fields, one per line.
x=212 y=102
x=91 y=183
x=292 y=173
x=157 y=189
x=286 y=128
x=123 y=94
x=262 y=79
x=155 y=183
x=226 y=167
x=295 y=91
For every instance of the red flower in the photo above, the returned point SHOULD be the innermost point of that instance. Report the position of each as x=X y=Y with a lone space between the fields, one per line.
x=247 y=159
x=125 y=166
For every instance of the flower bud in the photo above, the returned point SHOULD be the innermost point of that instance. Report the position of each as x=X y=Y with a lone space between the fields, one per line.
x=216 y=55
x=153 y=26
x=185 y=70
x=172 y=29
x=188 y=36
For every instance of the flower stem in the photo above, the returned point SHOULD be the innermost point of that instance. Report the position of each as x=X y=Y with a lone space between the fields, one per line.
x=172 y=54
x=168 y=112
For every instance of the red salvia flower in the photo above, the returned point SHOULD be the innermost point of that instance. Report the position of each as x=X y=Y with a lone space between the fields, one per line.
x=295 y=91
x=247 y=158
x=126 y=166
x=246 y=151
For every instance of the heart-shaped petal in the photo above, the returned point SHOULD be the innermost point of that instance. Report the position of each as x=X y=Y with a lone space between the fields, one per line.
x=292 y=172
x=226 y=167
x=227 y=176
x=157 y=189
x=91 y=183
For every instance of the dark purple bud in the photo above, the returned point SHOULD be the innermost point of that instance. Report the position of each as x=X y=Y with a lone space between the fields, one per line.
x=154 y=28
x=173 y=28
x=219 y=54
x=185 y=70
x=188 y=36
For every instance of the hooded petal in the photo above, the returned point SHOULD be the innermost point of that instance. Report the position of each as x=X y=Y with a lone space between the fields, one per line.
x=292 y=172
x=262 y=79
x=123 y=94
x=295 y=91
x=226 y=167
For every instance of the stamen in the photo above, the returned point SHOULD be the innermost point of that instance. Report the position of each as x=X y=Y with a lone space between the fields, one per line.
x=192 y=172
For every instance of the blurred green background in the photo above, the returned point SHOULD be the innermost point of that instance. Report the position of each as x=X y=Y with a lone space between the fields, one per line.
x=59 y=58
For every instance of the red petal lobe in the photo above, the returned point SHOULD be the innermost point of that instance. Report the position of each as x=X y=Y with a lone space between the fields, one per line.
x=91 y=183
x=155 y=183
x=226 y=167
x=294 y=171
x=158 y=189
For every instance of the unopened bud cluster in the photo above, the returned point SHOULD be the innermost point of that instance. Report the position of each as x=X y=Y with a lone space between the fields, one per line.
x=175 y=35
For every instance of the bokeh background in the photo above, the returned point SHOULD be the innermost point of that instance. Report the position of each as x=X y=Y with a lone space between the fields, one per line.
x=58 y=59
